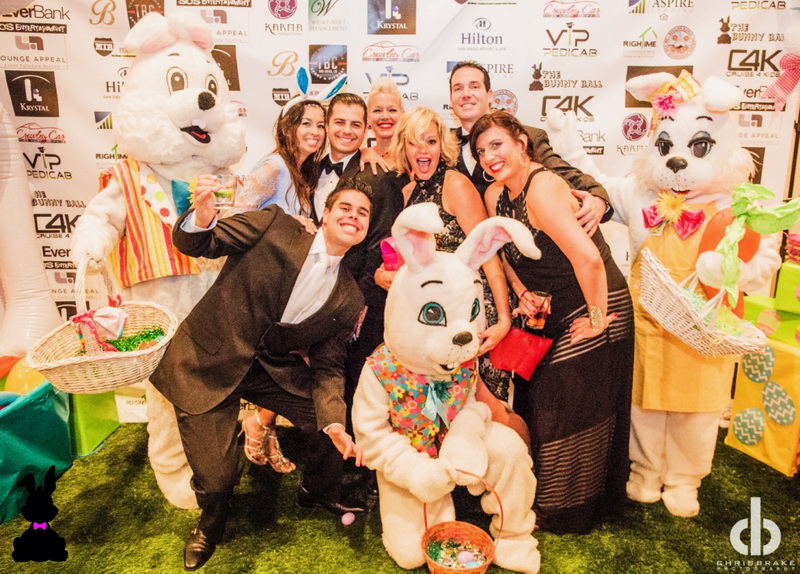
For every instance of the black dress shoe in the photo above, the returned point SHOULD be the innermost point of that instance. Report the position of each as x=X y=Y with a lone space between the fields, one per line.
x=308 y=500
x=197 y=551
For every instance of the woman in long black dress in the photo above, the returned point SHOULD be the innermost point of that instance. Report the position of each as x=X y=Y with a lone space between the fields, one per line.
x=577 y=404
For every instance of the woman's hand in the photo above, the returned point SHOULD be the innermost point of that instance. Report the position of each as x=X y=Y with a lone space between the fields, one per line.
x=491 y=336
x=306 y=223
x=581 y=328
x=204 y=209
x=529 y=304
x=384 y=278
x=371 y=157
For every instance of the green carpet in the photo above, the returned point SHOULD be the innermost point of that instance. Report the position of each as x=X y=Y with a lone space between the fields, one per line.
x=114 y=520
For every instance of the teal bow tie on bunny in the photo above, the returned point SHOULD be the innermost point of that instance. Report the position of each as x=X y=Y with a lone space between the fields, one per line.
x=438 y=393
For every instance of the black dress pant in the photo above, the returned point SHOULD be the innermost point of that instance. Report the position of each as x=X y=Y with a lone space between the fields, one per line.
x=209 y=439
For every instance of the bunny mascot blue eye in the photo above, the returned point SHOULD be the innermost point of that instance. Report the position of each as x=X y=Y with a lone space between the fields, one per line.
x=433 y=314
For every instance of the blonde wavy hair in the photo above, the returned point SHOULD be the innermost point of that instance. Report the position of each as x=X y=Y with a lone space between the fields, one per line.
x=411 y=128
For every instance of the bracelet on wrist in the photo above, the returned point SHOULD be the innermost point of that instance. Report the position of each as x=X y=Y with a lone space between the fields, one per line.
x=596 y=318
x=521 y=294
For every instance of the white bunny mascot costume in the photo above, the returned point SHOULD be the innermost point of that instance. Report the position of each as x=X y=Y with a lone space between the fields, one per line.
x=174 y=122
x=686 y=175
x=433 y=316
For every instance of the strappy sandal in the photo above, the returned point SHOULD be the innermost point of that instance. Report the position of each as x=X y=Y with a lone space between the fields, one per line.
x=256 y=450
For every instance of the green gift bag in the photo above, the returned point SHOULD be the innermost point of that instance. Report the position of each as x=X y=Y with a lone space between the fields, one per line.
x=34 y=434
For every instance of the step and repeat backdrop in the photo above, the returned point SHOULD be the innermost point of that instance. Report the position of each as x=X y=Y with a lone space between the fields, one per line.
x=64 y=71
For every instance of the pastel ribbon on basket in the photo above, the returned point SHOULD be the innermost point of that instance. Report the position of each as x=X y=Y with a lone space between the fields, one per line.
x=761 y=219
x=104 y=323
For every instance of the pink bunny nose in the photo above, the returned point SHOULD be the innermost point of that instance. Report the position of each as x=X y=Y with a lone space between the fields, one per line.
x=462 y=338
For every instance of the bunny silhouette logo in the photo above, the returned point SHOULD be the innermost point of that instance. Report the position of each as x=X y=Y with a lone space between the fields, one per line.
x=39 y=543
x=756 y=525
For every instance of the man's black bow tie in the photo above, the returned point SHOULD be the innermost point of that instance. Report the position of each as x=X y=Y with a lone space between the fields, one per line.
x=328 y=166
x=463 y=139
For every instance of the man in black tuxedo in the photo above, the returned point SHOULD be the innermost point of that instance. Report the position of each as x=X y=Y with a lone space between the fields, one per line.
x=470 y=95
x=273 y=329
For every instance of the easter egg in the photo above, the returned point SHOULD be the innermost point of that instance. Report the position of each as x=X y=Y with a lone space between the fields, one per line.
x=348 y=518
x=758 y=366
x=465 y=556
x=713 y=234
x=768 y=321
x=748 y=426
x=778 y=404
x=22 y=379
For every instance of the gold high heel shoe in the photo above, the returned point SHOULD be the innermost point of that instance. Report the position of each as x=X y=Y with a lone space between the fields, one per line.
x=257 y=450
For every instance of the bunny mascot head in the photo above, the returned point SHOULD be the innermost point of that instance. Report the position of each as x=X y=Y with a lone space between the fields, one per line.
x=415 y=414
x=174 y=122
x=673 y=203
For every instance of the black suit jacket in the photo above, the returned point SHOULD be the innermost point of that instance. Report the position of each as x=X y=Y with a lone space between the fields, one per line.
x=543 y=153
x=350 y=171
x=238 y=319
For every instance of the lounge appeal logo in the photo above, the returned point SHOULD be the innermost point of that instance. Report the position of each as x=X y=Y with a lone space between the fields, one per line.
x=756 y=525
x=392 y=17
x=33 y=93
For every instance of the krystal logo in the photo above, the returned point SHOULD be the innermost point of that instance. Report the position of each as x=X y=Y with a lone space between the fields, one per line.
x=755 y=524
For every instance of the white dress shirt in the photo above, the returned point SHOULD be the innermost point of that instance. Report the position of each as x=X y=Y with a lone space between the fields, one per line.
x=314 y=283
x=326 y=184
x=469 y=161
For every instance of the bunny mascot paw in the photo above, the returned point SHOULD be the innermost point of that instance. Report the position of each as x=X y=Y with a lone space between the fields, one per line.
x=682 y=182
x=415 y=414
x=174 y=122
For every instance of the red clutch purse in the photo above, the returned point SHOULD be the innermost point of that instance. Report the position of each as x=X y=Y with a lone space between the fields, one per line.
x=520 y=352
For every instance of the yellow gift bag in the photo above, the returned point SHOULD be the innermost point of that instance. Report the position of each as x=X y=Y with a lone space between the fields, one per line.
x=765 y=423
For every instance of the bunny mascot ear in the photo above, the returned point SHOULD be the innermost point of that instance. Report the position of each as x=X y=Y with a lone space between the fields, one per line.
x=155 y=32
x=490 y=235
x=413 y=233
x=324 y=95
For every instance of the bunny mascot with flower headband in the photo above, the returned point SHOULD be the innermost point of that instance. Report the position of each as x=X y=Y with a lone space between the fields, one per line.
x=415 y=412
x=174 y=122
x=686 y=175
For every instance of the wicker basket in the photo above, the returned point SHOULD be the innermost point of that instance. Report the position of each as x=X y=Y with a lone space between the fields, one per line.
x=667 y=302
x=57 y=356
x=461 y=532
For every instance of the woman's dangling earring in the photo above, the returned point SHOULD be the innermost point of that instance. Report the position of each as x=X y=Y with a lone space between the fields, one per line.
x=490 y=179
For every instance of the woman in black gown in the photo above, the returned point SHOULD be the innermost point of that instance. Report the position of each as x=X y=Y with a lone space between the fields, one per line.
x=577 y=404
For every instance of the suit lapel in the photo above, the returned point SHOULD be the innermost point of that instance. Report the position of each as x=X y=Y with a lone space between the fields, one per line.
x=298 y=249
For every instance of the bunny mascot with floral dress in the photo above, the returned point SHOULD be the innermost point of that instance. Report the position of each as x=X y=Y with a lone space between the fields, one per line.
x=174 y=122
x=415 y=412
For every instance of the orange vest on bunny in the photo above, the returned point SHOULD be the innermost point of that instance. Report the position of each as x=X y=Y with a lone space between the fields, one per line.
x=667 y=374
x=145 y=251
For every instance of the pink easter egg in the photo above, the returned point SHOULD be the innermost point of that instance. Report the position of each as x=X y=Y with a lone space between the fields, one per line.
x=348 y=518
x=465 y=556
x=768 y=321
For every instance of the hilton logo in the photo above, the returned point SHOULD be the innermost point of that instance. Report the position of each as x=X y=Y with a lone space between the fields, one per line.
x=482 y=24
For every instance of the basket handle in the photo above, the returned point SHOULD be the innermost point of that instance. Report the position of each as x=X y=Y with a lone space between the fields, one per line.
x=80 y=284
x=490 y=488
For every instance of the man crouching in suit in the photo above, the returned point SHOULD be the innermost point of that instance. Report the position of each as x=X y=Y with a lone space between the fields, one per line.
x=273 y=329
